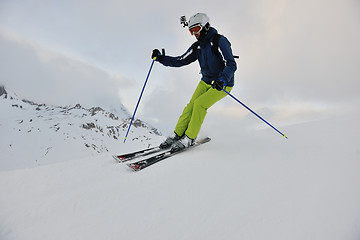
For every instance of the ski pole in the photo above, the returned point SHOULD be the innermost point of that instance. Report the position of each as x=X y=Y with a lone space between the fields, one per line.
x=142 y=91
x=254 y=113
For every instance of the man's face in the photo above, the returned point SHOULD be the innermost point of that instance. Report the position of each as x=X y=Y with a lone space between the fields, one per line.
x=195 y=30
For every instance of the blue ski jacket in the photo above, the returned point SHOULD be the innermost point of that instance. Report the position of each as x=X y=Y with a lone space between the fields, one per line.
x=214 y=65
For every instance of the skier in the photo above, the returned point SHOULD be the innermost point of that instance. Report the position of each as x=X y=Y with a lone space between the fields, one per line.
x=217 y=69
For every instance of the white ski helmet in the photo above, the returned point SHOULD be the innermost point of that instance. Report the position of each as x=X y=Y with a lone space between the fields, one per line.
x=198 y=19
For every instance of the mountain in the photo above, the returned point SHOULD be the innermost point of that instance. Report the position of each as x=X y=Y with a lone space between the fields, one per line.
x=34 y=134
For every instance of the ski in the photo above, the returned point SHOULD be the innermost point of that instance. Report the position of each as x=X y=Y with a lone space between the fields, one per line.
x=139 y=165
x=141 y=153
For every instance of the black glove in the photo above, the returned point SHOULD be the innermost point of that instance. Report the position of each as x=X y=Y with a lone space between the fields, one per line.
x=218 y=84
x=156 y=54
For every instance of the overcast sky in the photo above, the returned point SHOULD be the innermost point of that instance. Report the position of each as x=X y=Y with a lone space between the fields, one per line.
x=299 y=58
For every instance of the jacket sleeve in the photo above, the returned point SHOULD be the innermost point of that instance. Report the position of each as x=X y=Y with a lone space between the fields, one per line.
x=188 y=57
x=230 y=65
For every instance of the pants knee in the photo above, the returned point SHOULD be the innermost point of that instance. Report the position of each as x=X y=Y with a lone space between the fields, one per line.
x=198 y=104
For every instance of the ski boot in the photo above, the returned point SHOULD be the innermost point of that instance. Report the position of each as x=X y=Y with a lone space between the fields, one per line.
x=182 y=144
x=170 y=140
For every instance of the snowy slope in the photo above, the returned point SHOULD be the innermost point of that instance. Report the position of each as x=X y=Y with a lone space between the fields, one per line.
x=261 y=187
x=36 y=134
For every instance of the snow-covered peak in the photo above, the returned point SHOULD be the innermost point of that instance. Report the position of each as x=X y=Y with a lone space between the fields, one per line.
x=34 y=134
x=7 y=94
x=2 y=90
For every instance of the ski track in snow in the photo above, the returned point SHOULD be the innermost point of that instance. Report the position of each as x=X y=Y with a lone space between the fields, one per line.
x=242 y=185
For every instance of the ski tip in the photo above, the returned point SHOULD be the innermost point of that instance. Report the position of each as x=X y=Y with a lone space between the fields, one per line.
x=133 y=166
x=118 y=158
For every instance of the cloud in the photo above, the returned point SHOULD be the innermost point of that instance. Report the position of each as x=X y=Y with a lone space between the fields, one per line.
x=305 y=48
x=42 y=75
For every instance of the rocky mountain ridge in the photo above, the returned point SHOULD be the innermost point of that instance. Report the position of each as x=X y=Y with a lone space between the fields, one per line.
x=27 y=126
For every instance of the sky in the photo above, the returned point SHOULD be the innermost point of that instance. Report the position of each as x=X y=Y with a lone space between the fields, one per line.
x=299 y=59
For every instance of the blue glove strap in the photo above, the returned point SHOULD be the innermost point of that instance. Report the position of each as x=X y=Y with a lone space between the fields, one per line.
x=223 y=82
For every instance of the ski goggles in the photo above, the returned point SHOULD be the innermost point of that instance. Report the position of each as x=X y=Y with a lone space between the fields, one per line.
x=195 y=29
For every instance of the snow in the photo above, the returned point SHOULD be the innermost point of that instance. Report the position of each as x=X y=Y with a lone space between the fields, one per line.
x=244 y=184
x=38 y=134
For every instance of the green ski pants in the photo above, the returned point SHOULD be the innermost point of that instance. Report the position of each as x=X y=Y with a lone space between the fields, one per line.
x=195 y=111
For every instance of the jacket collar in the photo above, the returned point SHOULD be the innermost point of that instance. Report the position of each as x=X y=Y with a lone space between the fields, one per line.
x=212 y=31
